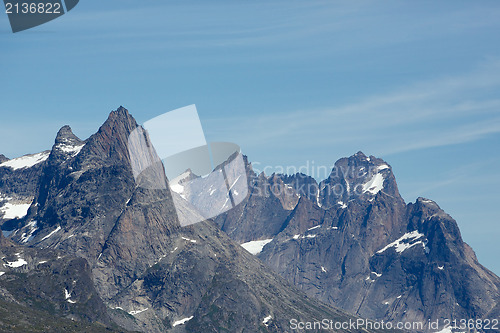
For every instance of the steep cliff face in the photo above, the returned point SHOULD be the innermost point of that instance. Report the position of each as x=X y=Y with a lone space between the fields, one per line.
x=151 y=274
x=357 y=245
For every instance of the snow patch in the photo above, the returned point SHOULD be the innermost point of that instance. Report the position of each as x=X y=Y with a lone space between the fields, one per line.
x=255 y=247
x=441 y=267
x=26 y=161
x=177 y=188
x=73 y=150
x=342 y=204
x=2 y=273
x=405 y=242
x=67 y=296
x=189 y=240
x=134 y=312
x=266 y=320
x=18 y=263
x=12 y=211
x=317 y=199
x=26 y=237
x=323 y=269
x=375 y=184
x=382 y=167
x=42 y=262
x=182 y=321
x=318 y=226
x=52 y=233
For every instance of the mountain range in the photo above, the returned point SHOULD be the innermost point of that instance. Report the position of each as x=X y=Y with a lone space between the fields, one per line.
x=85 y=248
x=83 y=243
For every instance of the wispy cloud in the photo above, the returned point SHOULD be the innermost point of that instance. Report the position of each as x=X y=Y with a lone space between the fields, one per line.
x=435 y=113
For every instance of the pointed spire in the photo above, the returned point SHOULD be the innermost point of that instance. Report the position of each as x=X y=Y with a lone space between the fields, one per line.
x=66 y=136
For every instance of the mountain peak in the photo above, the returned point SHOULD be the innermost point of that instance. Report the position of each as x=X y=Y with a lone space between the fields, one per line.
x=360 y=154
x=111 y=140
x=121 y=112
x=66 y=136
x=3 y=158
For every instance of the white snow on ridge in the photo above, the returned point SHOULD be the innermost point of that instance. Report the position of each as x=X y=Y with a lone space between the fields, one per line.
x=73 y=150
x=445 y=330
x=318 y=226
x=53 y=232
x=182 y=321
x=405 y=242
x=13 y=211
x=266 y=320
x=382 y=167
x=255 y=247
x=26 y=161
x=375 y=184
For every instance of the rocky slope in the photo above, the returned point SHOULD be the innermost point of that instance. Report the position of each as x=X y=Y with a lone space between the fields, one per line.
x=351 y=241
x=147 y=273
x=44 y=290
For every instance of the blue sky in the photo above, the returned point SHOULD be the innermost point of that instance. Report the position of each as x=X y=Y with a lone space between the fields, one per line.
x=292 y=82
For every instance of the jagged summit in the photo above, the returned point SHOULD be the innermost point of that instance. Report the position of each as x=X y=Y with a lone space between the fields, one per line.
x=357 y=177
x=66 y=136
x=3 y=158
x=149 y=272
x=66 y=145
x=111 y=140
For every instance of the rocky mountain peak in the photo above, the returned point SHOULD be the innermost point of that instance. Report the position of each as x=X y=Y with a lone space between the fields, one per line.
x=66 y=136
x=358 y=177
x=66 y=145
x=111 y=140
x=3 y=158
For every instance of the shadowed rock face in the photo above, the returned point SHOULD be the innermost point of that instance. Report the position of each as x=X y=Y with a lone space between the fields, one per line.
x=357 y=245
x=149 y=273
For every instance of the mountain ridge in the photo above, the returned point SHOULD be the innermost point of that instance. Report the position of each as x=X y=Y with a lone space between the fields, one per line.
x=150 y=273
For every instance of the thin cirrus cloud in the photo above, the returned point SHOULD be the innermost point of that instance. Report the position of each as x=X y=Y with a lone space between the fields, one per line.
x=434 y=113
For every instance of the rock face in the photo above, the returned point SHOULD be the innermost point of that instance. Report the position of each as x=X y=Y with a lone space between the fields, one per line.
x=143 y=271
x=355 y=244
x=46 y=289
